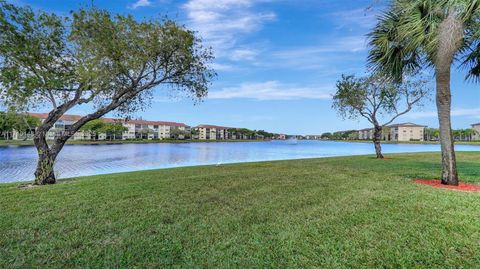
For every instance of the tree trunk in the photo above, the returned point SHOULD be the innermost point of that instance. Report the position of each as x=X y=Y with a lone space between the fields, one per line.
x=450 y=39
x=443 y=98
x=377 y=137
x=44 y=173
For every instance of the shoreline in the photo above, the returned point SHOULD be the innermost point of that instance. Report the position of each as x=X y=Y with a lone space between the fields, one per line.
x=408 y=142
x=6 y=143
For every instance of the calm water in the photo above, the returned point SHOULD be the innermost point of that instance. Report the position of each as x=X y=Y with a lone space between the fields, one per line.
x=17 y=163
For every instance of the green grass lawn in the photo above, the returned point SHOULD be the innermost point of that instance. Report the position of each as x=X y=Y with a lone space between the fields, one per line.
x=348 y=212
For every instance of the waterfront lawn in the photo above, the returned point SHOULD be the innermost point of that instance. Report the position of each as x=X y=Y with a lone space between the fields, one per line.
x=346 y=212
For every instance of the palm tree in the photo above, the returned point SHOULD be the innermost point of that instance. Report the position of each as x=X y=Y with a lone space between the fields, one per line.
x=469 y=133
x=416 y=34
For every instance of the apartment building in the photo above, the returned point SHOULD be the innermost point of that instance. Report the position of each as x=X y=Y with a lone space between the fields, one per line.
x=143 y=129
x=396 y=132
x=405 y=132
x=280 y=137
x=476 y=134
x=365 y=134
x=136 y=129
x=213 y=132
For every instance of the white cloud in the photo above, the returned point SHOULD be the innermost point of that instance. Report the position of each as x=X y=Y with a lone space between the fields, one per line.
x=355 y=18
x=243 y=54
x=222 y=67
x=271 y=90
x=324 y=56
x=456 y=112
x=141 y=3
x=220 y=22
x=345 y=44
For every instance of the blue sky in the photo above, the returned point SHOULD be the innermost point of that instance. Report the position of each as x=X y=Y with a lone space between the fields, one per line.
x=277 y=62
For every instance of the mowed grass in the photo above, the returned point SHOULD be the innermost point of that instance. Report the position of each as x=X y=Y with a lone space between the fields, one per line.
x=348 y=212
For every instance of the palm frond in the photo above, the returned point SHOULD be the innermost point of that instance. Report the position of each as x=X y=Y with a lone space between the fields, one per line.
x=471 y=62
x=388 y=51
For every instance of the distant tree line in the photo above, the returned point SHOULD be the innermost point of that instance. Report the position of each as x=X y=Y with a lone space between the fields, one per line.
x=22 y=123
x=430 y=134
x=250 y=134
x=344 y=135
x=433 y=134
x=98 y=126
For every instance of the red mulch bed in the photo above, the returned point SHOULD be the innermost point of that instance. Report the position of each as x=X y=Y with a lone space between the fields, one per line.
x=438 y=184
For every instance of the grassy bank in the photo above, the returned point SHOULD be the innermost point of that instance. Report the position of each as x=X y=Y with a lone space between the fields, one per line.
x=99 y=142
x=346 y=212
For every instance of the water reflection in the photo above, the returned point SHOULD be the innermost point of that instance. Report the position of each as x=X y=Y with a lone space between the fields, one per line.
x=17 y=163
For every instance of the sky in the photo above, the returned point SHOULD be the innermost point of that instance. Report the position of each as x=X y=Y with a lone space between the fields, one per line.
x=277 y=62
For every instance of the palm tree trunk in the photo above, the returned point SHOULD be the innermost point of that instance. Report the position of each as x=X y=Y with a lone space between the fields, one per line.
x=444 y=99
x=450 y=39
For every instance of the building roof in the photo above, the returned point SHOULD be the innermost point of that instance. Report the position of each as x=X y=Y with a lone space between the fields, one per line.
x=475 y=124
x=212 y=126
x=112 y=120
x=63 y=117
x=406 y=124
x=148 y=122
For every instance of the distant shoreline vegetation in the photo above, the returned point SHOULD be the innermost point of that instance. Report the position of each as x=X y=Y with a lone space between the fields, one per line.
x=476 y=142
x=130 y=141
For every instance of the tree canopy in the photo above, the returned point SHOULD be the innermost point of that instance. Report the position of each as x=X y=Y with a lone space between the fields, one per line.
x=111 y=62
x=377 y=97
x=409 y=36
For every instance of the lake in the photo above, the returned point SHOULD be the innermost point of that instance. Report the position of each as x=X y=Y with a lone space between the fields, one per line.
x=17 y=163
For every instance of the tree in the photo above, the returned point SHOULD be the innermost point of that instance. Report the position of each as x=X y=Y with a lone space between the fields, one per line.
x=145 y=133
x=376 y=97
x=194 y=133
x=112 y=63
x=265 y=134
x=326 y=136
x=94 y=127
x=469 y=133
x=113 y=129
x=431 y=134
x=177 y=133
x=415 y=34
x=24 y=124
x=7 y=122
x=352 y=135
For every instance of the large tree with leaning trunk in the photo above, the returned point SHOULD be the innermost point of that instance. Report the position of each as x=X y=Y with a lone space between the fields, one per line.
x=415 y=34
x=110 y=63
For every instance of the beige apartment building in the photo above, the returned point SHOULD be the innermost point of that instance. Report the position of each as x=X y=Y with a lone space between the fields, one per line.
x=476 y=134
x=212 y=132
x=365 y=134
x=396 y=132
x=136 y=129
x=143 y=129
